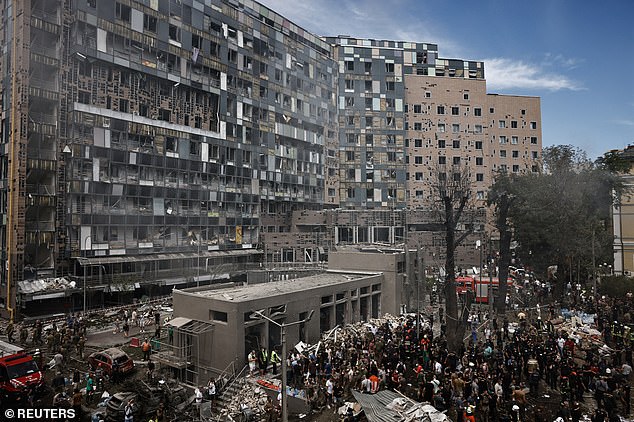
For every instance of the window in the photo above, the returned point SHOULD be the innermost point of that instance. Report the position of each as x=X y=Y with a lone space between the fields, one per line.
x=516 y=168
x=350 y=192
x=465 y=96
x=419 y=175
x=351 y=138
x=534 y=155
x=533 y=125
x=367 y=67
x=350 y=120
x=455 y=128
x=419 y=194
x=332 y=172
x=123 y=12
x=440 y=109
x=503 y=153
x=477 y=112
x=349 y=155
x=149 y=23
x=369 y=139
x=368 y=86
x=441 y=127
x=514 y=140
x=534 y=140
x=175 y=34
x=218 y=316
x=478 y=144
x=479 y=177
x=491 y=110
x=480 y=195
x=515 y=154
x=349 y=84
x=456 y=161
x=417 y=108
x=534 y=169
x=368 y=121
x=349 y=101
x=418 y=143
x=479 y=161
x=418 y=126
x=350 y=174
x=442 y=160
x=513 y=124
x=477 y=129
x=331 y=192
x=349 y=65
x=502 y=124
x=456 y=143
x=389 y=85
x=427 y=94
x=441 y=143
x=389 y=67
x=418 y=159
x=503 y=140
x=455 y=111
x=523 y=112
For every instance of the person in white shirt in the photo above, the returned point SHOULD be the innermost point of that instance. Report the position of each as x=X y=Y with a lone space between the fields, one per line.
x=330 y=390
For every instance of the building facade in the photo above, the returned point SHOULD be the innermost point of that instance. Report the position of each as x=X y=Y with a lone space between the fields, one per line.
x=171 y=130
x=150 y=143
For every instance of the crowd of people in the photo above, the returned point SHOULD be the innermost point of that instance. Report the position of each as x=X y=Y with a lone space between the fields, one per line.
x=506 y=370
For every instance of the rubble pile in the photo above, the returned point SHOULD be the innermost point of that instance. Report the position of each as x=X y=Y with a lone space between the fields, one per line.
x=241 y=399
x=45 y=284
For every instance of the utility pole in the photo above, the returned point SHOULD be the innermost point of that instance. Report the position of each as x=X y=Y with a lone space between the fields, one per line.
x=259 y=314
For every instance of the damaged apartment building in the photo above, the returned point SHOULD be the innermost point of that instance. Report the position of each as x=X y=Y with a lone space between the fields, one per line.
x=148 y=144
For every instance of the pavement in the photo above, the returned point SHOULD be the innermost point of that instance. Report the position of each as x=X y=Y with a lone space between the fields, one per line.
x=106 y=338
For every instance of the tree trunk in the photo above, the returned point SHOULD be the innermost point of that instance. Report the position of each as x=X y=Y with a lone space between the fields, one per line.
x=505 y=252
x=454 y=332
x=503 y=273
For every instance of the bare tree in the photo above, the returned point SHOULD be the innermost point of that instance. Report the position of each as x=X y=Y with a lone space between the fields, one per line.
x=453 y=192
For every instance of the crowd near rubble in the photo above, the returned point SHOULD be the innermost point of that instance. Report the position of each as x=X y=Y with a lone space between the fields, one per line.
x=564 y=362
x=569 y=361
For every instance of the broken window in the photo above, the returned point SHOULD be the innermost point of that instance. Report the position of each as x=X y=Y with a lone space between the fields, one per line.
x=123 y=12
x=149 y=23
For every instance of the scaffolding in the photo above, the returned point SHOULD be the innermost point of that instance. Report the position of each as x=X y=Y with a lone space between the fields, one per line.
x=186 y=352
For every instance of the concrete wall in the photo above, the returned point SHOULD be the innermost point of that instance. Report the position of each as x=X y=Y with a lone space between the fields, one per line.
x=228 y=342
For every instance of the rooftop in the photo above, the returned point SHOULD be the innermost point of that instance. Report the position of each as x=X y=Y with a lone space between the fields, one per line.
x=278 y=288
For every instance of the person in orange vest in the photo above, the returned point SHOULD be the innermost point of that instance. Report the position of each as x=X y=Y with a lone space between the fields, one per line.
x=146 y=348
x=469 y=414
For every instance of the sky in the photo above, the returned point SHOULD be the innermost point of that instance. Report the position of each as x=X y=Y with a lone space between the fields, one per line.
x=577 y=55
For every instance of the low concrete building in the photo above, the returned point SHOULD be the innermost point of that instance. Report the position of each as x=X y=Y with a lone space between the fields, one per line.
x=337 y=297
x=397 y=291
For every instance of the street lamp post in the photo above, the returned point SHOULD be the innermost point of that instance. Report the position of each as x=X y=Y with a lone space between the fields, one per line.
x=85 y=266
x=255 y=315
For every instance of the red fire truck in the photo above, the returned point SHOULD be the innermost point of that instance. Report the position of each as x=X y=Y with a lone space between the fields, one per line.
x=19 y=373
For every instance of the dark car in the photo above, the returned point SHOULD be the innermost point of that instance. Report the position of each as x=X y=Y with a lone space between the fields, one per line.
x=147 y=400
x=110 y=358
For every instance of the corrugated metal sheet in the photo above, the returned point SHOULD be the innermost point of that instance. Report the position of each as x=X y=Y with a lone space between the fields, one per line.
x=375 y=407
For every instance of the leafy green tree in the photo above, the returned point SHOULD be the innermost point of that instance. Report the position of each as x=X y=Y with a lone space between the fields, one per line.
x=560 y=216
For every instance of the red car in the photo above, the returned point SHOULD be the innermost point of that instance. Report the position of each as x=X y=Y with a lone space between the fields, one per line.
x=109 y=357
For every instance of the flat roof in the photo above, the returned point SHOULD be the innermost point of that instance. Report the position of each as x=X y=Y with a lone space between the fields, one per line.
x=278 y=288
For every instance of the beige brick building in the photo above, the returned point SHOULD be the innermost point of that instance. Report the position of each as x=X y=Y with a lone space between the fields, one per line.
x=453 y=121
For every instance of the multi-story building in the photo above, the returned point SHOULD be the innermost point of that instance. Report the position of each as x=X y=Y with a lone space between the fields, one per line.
x=145 y=141
x=453 y=123
x=151 y=143
x=623 y=221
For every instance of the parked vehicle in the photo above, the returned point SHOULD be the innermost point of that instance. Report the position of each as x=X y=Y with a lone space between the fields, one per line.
x=110 y=358
x=19 y=375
